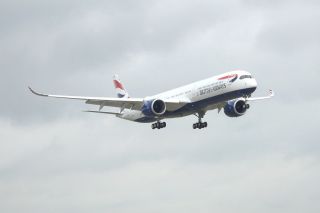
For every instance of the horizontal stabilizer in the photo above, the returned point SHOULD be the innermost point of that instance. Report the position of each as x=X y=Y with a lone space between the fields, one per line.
x=110 y=113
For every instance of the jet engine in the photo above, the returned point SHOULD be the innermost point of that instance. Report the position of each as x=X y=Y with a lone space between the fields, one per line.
x=236 y=108
x=154 y=107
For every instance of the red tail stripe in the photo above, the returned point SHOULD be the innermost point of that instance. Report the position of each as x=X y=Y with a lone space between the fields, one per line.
x=118 y=85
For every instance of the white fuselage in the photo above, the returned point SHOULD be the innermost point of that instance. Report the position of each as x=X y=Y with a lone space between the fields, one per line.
x=200 y=96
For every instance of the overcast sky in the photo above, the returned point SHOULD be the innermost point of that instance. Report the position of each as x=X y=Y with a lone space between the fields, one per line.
x=54 y=158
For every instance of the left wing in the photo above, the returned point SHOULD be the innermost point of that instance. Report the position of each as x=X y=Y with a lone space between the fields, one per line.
x=131 y=103
x=123 y=103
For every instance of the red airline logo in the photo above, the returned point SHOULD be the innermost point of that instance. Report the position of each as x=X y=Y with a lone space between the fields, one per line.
x=227 y=77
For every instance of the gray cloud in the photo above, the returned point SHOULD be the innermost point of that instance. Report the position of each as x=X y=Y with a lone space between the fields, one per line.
x=55 y=158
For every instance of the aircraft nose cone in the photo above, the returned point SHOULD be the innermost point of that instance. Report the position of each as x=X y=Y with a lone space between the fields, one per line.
x=254 y=83
x=251 y=84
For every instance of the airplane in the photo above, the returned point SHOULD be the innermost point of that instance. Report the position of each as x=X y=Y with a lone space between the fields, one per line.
x=230 y=91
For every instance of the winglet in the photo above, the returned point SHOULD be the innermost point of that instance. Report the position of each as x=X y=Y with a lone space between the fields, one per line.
x=36 y=93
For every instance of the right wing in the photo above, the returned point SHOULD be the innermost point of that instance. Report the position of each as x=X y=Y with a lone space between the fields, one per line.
x=271 y=94
x=221 y=105
x=123 y=103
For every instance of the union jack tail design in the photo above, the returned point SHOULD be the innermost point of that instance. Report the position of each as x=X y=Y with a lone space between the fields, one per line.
x=121 y=91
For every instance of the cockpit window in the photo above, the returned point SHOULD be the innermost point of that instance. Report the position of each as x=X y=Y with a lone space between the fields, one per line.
x=245 y=76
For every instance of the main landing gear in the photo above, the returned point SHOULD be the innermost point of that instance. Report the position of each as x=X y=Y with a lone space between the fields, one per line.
x=158 y=125
x=200 y=124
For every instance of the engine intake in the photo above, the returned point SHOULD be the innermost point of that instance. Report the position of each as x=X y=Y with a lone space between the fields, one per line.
x=154 y=107
x=236 y=108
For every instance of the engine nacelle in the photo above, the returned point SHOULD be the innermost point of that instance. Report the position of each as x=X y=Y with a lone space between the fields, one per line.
x=154 y=107
x=236 y=108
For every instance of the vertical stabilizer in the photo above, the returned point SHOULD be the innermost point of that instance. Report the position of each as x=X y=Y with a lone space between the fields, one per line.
x=121 y=91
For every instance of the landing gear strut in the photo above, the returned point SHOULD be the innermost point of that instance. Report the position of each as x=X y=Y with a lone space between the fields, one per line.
x=158 y=125
x=200 y=124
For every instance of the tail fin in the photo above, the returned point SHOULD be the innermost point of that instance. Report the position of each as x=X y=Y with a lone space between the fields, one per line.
x=121 y=91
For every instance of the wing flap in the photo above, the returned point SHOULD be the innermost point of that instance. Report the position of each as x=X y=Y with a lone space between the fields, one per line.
x=126 y=103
